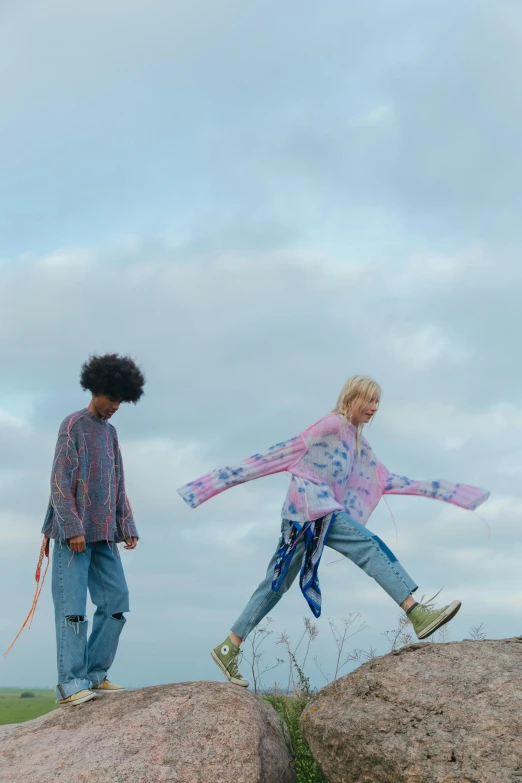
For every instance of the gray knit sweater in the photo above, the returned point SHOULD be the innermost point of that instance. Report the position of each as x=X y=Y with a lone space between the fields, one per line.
x=87 y=483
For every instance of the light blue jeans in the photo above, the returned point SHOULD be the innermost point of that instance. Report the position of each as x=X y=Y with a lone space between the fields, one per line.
x=350 y=539
x=83 y=661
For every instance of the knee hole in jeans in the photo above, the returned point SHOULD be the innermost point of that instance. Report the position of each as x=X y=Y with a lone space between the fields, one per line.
x=75 y=622
x=118 y=616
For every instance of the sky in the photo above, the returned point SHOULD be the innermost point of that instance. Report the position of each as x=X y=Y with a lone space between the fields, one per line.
x=257 y=201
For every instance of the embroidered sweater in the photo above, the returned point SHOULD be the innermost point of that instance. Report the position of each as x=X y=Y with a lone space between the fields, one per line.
x=87 y=483
x=327 y=474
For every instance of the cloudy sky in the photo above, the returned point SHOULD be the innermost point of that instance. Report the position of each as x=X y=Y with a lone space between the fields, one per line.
x=257 y=200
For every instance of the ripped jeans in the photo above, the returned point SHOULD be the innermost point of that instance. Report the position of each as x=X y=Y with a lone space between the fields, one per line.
x=83 y=662
x=352 y=540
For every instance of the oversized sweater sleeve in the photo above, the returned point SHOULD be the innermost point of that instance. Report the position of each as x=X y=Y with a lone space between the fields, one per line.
x=126 y=527
x=462 y=495
x=64 y=479
x=276 y=459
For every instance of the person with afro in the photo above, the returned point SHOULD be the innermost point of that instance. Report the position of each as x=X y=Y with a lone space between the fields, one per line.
x=88 y=515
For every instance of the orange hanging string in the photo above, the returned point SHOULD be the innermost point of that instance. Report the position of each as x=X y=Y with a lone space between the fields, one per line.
x=44 y=552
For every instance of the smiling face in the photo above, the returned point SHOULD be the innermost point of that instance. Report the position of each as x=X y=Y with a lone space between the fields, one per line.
x=103 y=406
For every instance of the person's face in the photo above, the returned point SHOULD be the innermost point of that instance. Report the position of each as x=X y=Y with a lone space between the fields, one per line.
x=105 y=406
x=366 y=413
x=370 y=409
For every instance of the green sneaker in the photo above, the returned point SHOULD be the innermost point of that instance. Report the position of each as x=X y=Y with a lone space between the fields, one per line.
x=426 y=620
x=225 y=655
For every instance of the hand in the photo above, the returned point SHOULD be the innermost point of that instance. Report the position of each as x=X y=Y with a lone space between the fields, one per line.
x=77 y=544
x=131 y=543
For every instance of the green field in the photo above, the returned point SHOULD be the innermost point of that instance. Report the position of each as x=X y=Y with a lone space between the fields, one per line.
x=13 y=709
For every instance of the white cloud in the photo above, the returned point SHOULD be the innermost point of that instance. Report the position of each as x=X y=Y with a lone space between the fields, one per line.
x=470 y=268
x=65 y=259
x=455 y=443
x=19 y=534
x=500 y=423
x=379 y=114
x=511 y=465
x=424 y=347
x=9 y=420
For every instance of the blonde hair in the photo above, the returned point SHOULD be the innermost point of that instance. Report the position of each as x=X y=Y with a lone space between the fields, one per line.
x=355 y=395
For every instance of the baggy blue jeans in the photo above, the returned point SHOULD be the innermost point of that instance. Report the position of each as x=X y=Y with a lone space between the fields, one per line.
x=349 y=538
x=83 y=661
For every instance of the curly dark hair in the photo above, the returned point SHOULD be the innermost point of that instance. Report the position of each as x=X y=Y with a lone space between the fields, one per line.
x=116 y=376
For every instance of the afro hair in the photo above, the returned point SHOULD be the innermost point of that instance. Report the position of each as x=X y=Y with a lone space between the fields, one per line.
x=116 y=376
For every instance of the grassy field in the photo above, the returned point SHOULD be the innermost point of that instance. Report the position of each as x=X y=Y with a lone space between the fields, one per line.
x=13 y=709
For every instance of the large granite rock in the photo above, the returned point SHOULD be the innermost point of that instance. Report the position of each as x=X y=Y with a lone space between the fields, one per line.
x=195 y=732
x=429 y=713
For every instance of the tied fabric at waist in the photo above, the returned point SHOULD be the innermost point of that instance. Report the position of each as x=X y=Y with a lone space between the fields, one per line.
x=314 y=534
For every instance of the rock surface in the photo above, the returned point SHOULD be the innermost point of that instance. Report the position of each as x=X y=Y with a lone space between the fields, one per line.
x=195 y=732
x=429 y=713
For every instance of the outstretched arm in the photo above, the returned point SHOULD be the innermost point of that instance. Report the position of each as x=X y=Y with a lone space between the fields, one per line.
x=462 y=495
x=281 y=457
x=276 y=459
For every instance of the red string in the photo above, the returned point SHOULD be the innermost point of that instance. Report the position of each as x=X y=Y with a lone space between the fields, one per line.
x=44 y=552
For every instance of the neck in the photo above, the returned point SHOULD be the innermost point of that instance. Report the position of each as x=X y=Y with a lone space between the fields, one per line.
x=92 y=408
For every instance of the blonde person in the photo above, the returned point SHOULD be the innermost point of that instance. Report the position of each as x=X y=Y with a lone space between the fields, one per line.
x=336 y=483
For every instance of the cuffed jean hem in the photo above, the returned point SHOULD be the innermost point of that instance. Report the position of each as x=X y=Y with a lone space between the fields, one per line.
x=66 y=689
x=403 y=594
x=96 y=678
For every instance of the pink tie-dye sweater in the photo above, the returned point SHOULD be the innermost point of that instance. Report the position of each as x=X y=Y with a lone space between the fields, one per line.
x=327 y=474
